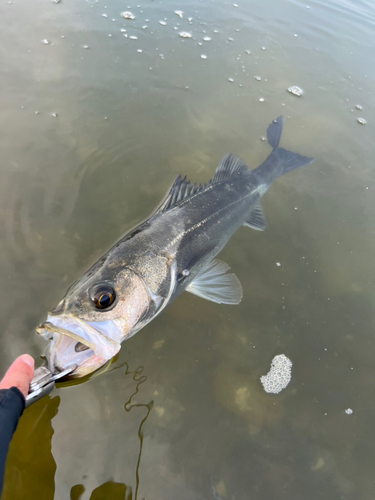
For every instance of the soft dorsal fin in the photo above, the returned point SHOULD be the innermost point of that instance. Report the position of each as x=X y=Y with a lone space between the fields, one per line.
x=180 y=190
x=230 y=166
x=256 y=219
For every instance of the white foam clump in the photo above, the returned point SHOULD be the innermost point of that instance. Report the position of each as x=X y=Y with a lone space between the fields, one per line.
x=127 y=15
x=279 y=375
x=295 y=90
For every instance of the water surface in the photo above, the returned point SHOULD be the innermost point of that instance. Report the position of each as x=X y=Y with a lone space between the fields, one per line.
x=91 y=139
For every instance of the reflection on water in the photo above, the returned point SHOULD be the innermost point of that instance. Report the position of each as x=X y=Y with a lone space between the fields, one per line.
x=132 y=112
x=140 y=379
x=31 y=467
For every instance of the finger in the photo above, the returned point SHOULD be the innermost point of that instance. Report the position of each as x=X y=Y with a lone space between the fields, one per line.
x=19 y=374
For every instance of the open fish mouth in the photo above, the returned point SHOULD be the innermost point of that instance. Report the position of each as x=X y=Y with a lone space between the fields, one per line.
x=73 y=340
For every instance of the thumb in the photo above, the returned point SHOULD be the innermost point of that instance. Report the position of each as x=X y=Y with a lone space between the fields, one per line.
x=19 y=374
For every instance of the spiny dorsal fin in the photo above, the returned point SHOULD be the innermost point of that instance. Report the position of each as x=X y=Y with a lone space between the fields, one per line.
x=230 y=166
x=180 y=190
x=256 y=219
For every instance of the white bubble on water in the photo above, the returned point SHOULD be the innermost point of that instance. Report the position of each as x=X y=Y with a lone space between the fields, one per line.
x=45 y=41
x=207 y=39
x=261 y=99
x=54 y=115
x=185 y=34
x=104 y=15
x=295 y=90
x=259 y=78
x=230 y=80
x=179 y=13
x=362 y=121
x=203 y=56
x=248 y=51
x=278 y=264
x=133 y=37
x=348 y=411
x=163 y=23
x=279 y=375
x=358 y=106
x=230 y=39
x=127 y=15
x=140 y=50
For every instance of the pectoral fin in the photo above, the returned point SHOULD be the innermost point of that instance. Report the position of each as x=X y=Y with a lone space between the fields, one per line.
x=213 y=284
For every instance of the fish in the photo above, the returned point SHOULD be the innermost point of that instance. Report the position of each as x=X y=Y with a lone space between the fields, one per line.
x=173 y=251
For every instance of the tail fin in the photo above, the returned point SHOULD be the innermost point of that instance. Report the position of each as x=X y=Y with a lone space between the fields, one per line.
x=274 y=131
x=280 y=161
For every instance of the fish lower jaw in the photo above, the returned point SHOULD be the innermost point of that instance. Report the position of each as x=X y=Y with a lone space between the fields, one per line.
x=88 y=367
x=74 y=341
x=61 y=354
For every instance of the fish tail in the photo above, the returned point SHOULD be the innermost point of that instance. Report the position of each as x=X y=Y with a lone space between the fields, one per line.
x=280 y=161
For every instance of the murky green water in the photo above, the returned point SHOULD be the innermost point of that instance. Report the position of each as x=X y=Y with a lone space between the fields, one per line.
x=181 y=413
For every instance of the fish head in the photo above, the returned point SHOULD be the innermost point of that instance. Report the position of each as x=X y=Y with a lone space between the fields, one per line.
x=98 y=312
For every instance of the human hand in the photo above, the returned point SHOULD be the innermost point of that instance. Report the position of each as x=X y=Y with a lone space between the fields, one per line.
x=19 y=374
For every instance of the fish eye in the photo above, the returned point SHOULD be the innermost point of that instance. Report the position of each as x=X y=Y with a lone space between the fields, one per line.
x=103 y=296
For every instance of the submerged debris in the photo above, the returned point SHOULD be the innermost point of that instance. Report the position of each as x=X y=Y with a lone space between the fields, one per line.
x=295 y=90
x=279 y=375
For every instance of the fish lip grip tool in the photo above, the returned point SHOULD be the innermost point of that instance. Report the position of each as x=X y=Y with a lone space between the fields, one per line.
x=43 y=382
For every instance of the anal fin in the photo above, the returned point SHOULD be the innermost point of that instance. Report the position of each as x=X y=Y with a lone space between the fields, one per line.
x=213 y=284
x=256 y=219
